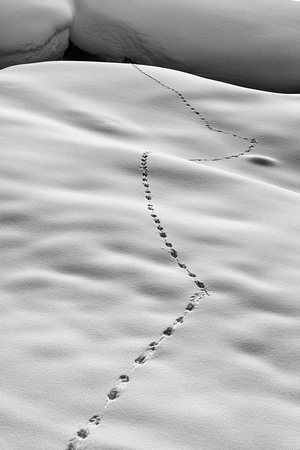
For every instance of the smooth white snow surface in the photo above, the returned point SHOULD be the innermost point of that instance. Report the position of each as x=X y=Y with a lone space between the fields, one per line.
x=253 y=44
x=87 y=282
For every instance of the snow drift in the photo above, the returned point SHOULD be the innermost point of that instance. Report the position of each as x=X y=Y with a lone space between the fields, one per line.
x=88 y=283
x=253 y=44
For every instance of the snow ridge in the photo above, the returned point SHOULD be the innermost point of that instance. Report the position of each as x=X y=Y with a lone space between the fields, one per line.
x=252 y=141
x=77 y=442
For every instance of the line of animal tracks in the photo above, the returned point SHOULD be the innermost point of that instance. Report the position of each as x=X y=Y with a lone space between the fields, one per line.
x=78 y=442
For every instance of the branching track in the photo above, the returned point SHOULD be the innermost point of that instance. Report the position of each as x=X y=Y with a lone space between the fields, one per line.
x=251 y=141
x=79 y=440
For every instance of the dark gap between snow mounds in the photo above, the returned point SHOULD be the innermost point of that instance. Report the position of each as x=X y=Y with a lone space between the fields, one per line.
x=75 y=53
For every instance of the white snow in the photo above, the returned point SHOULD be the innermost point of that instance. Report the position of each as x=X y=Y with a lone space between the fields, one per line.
x=253 y=44
x=87 y=282
x=33 y=31
x=249 y=43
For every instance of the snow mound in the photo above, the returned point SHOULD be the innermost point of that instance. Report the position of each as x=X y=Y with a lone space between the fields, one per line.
x=33 y=31
x=107 y=340
x=253 y=44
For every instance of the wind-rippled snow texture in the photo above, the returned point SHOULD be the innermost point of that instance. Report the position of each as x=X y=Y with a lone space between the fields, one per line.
x=87 y=283
x=253 y=44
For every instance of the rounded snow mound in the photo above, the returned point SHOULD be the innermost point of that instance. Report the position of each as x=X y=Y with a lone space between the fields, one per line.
x=252 y=44
x=33 y=31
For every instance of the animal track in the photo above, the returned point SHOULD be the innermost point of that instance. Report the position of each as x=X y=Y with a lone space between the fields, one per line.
x=117 y=390
x=162 y=233
x=252 y=141
x=95 y=419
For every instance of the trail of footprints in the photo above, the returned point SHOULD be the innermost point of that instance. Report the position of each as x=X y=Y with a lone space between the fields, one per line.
x=252 y=141
x=202 y=291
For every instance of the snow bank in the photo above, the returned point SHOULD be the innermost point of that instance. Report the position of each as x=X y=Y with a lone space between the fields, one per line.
x=33 y=30
x=253 y=44
x=87 y=283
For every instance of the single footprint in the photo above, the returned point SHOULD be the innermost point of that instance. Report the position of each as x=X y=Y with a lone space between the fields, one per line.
x=83 y=433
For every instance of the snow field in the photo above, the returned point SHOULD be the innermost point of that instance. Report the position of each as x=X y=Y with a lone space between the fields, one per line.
x=87 y=282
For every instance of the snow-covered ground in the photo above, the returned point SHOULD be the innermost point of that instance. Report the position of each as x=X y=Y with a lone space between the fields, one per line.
x=87 y=282
x=149 y=271
x=249 y=43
